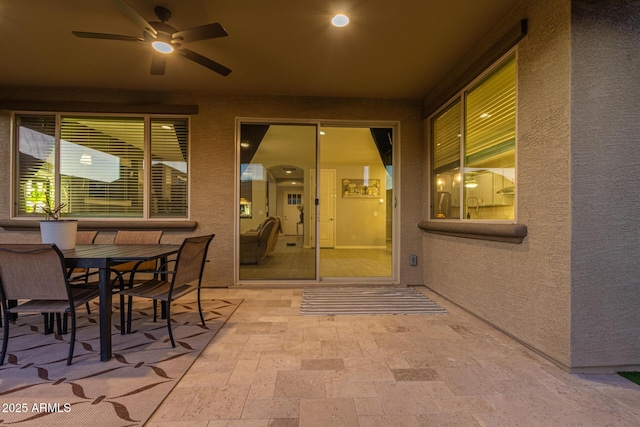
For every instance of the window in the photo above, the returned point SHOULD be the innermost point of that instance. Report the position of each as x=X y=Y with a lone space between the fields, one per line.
x=473 y=150
x=101 y=167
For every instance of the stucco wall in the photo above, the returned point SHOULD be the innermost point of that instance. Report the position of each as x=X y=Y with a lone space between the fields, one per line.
x=605 y=146
x=213 y=158
x=524 y=289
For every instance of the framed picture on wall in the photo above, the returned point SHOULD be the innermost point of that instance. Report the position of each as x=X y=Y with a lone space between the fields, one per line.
x=360 y=188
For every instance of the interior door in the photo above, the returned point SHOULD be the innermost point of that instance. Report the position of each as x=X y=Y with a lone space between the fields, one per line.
x=291 y=213
x=327 y=208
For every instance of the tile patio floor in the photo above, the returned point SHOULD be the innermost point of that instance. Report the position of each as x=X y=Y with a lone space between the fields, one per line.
x=269 y=366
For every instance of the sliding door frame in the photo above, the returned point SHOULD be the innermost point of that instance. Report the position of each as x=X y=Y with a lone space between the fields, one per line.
x=318 y=280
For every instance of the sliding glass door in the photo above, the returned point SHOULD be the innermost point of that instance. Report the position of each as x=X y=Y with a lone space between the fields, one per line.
x=276 y=161
x=356 y=210
x=315 y=202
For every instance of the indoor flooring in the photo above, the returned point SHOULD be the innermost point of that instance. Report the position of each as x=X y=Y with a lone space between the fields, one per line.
x=290 y=260
x=270 y=366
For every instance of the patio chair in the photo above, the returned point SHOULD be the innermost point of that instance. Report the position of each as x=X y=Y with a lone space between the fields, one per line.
x=133 y=237
x=186 y=278
x=36 y=277
x=81 y=275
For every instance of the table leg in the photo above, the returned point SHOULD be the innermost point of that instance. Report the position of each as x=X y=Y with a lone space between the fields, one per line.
x=105 y=314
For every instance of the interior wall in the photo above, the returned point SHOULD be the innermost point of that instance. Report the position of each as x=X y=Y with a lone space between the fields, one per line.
x=523 y=289
x=360 y=222
x=605 y=198
x=213 y=149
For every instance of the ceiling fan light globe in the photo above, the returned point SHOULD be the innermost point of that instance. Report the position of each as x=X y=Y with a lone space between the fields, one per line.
x=162 y=47
x=340 y=20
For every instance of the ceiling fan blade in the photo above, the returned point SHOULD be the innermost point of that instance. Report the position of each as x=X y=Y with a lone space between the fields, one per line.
x=135 y=16
x=209 y=31
x=86 y=35
x=205 y=62
x=158 y=64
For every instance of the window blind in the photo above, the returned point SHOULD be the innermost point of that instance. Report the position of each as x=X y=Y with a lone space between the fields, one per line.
x=35 y=163
x=101 y=166
x=446 y=138
x=490 y=114
x=169 y=168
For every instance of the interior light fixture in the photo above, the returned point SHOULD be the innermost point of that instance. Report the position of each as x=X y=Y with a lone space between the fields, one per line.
x=85 y=159
x=340 y=20
x=162 y=47
x=244 y=144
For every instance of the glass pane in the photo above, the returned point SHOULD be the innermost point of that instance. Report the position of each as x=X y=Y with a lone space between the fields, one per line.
x=35 y=164
x=169 y=168
x=356 y=202
x=490 y=122
x=101 y=166
x=446 y=137
x=277 y=163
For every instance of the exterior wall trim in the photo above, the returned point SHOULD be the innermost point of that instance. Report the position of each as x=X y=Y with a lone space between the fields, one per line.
x=508 y=233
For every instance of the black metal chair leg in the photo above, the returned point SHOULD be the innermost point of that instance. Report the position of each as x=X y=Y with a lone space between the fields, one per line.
x=122 y=322
x=173 y=343
x=73 y=337
x=129 y=313
x=59 y=324
x=5 y=338
x=200 y=307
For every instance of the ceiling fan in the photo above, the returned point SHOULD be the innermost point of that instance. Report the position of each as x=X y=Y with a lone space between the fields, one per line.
x=165 y=39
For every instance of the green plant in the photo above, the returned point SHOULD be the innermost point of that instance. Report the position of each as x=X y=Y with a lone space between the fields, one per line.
x=631 y=376
x=53 y=213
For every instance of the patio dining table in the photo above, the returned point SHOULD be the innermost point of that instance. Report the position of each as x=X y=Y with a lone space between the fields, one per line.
x=102 y=257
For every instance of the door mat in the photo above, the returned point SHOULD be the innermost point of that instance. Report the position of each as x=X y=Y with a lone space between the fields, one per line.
x=366 y=300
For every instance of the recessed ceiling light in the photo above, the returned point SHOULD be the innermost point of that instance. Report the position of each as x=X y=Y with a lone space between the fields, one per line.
x=244 y=144
x=340 y=20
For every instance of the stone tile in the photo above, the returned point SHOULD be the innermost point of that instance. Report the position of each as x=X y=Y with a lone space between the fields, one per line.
x=322 y=364
x=421 y=374
x=271 y=408
x=447 y=420
x=367 y=373
x=388 y=421
x=178 y=424
x=368 y=406
x=299 y=385
x=282 y=369
x=261 y=391
x=283 y=422
x=339 y=389
x=412 y=397
x=217 y=402
x=328 y=413
x=239 y=423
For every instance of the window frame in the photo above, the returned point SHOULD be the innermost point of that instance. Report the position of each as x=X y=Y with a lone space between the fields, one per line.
x=460 y=98
x=147 y=162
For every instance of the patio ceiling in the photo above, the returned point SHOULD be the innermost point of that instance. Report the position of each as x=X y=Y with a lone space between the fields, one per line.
x=391 y=49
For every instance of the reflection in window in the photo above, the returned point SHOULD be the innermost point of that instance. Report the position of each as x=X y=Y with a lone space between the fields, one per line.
x=101 y=170
x=480 y=124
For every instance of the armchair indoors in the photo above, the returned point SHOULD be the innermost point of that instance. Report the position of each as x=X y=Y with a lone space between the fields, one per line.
x=256 y=244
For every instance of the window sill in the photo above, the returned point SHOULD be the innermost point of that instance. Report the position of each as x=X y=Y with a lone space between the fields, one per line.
x=508 y=233
x=105 y=225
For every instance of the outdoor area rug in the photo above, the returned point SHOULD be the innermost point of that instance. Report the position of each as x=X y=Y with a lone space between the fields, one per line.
x=366 y=300
x=37 y=388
